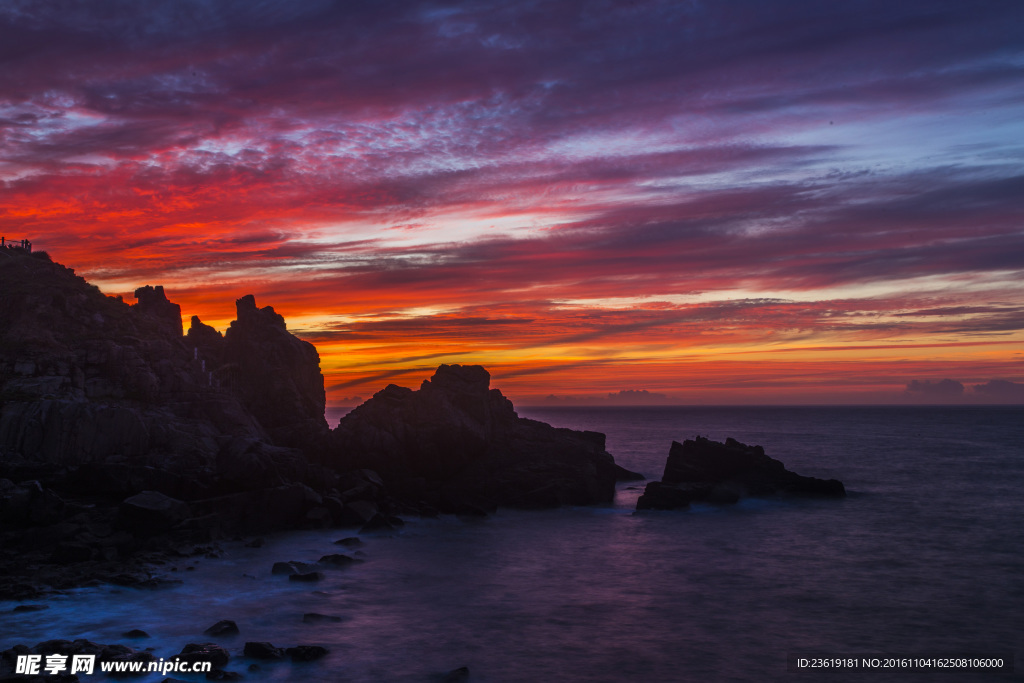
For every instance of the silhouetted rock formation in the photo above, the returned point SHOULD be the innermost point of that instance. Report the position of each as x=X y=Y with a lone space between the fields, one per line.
x=102 y=400
x=709 y=471
x=187 y=437
x=113 y=399
x=153 y=302
x=275 y=374
x=459 y=446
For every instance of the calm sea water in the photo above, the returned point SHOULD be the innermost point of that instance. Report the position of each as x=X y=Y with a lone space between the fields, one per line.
x=924 y=556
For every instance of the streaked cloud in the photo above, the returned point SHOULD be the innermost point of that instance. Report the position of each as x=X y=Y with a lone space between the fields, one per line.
x=560 y=190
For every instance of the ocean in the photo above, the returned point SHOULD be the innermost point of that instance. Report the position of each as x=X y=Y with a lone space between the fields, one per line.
x=924 y=557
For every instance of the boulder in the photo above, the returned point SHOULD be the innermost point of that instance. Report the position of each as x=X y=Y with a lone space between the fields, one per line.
x=204 y=652
x=285 y=568
x=263 y=650
x=266 y=509
x=337 y=560
x=224 y=627
x=151 y=512
x=378 y=523
x=460 y=675
x=72 y=553
x=349 y=542
x=292 y=567
x=660 y=496
x=306 y=653
x=29 y=504
x=358 y=513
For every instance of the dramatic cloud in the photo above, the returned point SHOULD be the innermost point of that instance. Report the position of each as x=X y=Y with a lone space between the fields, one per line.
x=769 y=199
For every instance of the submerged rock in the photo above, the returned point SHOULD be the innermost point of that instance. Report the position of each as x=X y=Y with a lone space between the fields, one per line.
x=204 y=652
x=292 y=567
x=350 y=542
x=135 y=633
x=263 y=650
x=702 y=470
x=460 y=675
x=224 y=627
x=30 y=608
x=306 y=653
x=286 y=568
x=337 y=560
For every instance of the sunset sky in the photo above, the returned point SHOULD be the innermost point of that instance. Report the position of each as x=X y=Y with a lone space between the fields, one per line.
x=720 y=202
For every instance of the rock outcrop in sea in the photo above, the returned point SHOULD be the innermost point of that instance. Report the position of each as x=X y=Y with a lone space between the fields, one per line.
x=458 y=445
x=701 y=470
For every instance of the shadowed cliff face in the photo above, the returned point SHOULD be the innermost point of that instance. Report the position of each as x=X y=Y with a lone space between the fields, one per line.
x=115 y=399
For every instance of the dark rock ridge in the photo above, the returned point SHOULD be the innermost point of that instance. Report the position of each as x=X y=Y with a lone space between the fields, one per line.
x=275 y=374
x=120 y=436
x=702 y=470
x=97 y=396
x=458 y=445
x=115 y=428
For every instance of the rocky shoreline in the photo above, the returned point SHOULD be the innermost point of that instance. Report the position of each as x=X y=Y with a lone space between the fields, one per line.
x=227 y=645
x=122 y=435
x=129 y=447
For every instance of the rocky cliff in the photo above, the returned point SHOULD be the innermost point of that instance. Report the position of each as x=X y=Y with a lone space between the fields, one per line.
x=111 y=398
x=116 y=430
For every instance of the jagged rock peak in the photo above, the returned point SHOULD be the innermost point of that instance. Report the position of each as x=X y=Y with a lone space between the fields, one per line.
x=151 y=296
x=276 y=374
x=154 y=303
x=459 y=378
x=249 y=315
x=200 y=333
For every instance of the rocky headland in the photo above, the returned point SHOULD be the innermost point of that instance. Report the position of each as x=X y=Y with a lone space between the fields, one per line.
x=122 y=435
x=458 y=445
x=701 y=470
